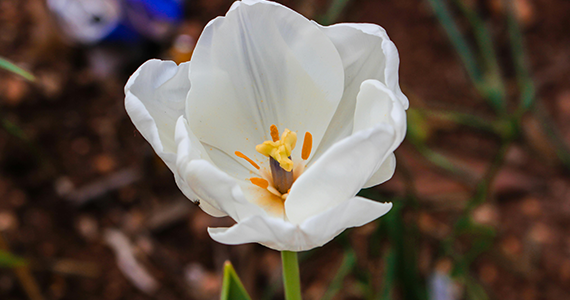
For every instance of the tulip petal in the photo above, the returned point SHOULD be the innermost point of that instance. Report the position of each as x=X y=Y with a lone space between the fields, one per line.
x=188 y=149
x=155 y=98
x=376 y=103
x=367 y=53
x=261 y=64
x=384 y=173
x=340 y=172
x=314 y=232
x=218 y=189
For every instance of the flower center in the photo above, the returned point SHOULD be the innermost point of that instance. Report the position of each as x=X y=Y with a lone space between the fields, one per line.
x=283 y=171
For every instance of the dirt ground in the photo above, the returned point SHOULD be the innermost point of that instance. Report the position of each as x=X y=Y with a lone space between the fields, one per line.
x=78 y=182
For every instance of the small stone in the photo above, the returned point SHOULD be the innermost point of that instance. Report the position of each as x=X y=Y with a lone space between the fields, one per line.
x=486 y=214
x=511 y=246
x=104 y=163
x=133 y=221
x=50 y=83
x=444 y=266
x=145 y=244
x=88 y=227
x=488 y=273
x=63 y=186
x=524 y=12
x=8 y=221
x=430 y=225
x=540 y=233
x=531 y=207
x=204 y=284
x=15 y=89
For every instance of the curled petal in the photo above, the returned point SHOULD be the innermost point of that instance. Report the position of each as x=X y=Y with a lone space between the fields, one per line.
x=313 y=232
x=384 y=172
x=376 y=104
x=340 y=172
x=154 y=99
x=367 y=53
x=218 y=189
x=188 y=149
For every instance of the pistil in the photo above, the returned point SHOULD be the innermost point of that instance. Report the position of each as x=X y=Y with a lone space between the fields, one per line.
x=282 y=179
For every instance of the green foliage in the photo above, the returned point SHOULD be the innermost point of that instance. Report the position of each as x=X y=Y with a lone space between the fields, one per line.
x=335 y=9
x=9 y=260
x=5 y=64
x=232 y=288
x=347 y=265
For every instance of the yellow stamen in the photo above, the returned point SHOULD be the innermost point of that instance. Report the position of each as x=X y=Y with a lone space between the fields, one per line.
x=307 y=146
x=239 y=154
x=280 y=149
x=260 y=182
x=274 y=132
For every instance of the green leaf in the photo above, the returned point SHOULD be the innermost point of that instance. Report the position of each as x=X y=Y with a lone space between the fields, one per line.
x=9 y=260
x=232 y=288
x=4 y=64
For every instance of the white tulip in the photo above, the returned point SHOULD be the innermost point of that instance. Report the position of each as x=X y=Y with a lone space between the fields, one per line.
x=263 y=65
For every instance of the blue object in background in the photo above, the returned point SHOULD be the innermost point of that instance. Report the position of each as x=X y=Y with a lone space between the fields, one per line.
x=117 y=21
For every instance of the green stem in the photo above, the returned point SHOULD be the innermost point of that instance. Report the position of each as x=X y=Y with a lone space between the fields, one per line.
x=291 y=279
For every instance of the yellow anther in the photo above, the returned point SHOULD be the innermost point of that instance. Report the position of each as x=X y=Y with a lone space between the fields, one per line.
x=307 y=146
x=280 y=149
x=239 y=154
x=260 y=182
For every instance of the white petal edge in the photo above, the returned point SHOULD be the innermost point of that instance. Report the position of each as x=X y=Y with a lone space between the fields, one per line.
x=314 y=232
x=154 y=99
x=376 y=104
x=218 y=189
x=384 y=173
x=351 y=39
x=262 y=64
x=188 y=149
x=339 y=173
x=367 y=53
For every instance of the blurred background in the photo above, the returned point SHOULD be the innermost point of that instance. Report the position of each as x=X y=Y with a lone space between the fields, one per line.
x=481 y=210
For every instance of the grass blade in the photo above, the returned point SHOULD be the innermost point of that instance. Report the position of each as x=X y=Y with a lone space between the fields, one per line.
x=348 y=263
x=492 y=76
x=525 y=83
x=7 y=65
